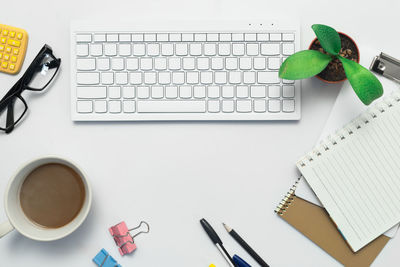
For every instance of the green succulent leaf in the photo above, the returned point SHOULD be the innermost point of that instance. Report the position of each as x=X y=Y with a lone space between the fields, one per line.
x=304 y=64
x=365 y=84
x=328 y=37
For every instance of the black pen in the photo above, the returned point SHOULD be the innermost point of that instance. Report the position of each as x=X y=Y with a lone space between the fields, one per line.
x=246 y=246
x=217 y=241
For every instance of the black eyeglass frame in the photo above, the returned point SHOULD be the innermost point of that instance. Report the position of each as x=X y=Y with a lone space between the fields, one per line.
x=23 y=84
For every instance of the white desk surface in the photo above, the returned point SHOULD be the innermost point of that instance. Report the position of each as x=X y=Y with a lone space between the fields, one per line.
x=173 y=174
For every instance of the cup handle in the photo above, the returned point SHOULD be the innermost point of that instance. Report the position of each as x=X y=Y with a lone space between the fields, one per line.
x=5 y=228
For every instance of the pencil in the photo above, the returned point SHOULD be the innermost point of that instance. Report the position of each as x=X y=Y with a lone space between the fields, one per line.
x=246 y=246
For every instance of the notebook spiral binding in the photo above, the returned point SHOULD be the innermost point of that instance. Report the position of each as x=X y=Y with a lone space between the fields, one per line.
x=349 y=129
x=288 y=199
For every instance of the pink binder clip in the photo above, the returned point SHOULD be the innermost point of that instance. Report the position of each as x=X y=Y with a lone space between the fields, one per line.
x=124 y=239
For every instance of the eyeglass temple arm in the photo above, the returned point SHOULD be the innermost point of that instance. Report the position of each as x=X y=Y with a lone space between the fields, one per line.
x=10 y=117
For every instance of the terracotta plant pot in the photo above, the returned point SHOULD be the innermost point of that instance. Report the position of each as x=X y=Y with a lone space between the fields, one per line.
x=358 y=58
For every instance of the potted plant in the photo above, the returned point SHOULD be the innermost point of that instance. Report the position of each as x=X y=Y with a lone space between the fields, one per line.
x=332 y=57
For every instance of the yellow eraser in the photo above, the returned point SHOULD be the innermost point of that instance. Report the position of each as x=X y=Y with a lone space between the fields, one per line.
x=13 y=41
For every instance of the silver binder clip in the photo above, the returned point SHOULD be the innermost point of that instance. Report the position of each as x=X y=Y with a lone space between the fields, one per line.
x=387 y=66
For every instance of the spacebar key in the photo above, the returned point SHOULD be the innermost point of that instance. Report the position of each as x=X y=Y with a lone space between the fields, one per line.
x=175 y=106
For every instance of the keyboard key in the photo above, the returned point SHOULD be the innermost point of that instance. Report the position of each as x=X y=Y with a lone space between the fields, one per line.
x=188 y=106
x=175 y=37
x=167 y=49
x=96 y=50
x=231 y=63
x=171 y=92
x=84 y=106
x=238 y=49
x=164 y=77
x=195 y=49
x=217 y=63
x=129 y=106
x=114 y=106
x=146 y=63
x=192 y=77
x=188 y=63
x=274 y=63
x=125 y=49
x=267 y=77
x=259 y=63
x=107 y=77
x=157 y=92
x=287 y=49
x=249 y=77
x=262 y=36
x=288 y=105
x=252 y=49
x=274 y=91
x=287 y=81
x=114 y=92
x=91 y=92
x=139 y=49
x=153 y=49
x=150 y=37
x=206 y=77
x=199 y=91
x=100 y=106
x=137 y=37
x=99 y=38
x=128 y=92
x=210 y=49
x=225 y=37
x=243 y=106
x=14 y=43
x=174 y=63
x=200 y=37
x=212 y=37
x=162 y=37
x=121 y=77
x=135 y=78
x=132 y=63
x=274 y=105
x=110 y=49
x=250 y=37
x=257 y=91
x=213 y=91
x=125 y=37
x=288 y=37
x=80 y=38
x=220 y=77
x=187 y=37
x=178 y=77
x=103 y=64
x=203 y=63
x=228 y=106
x=260 y=105
x=85 y=64
x=150 y=77
x=245 y=63
x=112 y=37
x=227 y=91
x=288 y=91
x=185 y=91
x=181 y=49
x=237 y=37
x=82 y=50
x=143 y=92
x=270 y=49
x=87 y=78
x=275 y=37
x=242 y=91
x=235 y=77
x=213 y=106
x=117 y=63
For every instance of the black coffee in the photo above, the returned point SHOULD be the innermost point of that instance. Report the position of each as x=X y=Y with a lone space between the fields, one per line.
x=52 y=195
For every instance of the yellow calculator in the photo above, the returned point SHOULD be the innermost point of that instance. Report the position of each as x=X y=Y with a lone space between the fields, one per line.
x=13 y=43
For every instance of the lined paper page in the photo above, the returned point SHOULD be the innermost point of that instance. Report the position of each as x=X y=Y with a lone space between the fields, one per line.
x=356 y=173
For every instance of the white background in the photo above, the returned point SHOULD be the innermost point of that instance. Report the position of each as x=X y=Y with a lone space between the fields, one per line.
x=173 y=174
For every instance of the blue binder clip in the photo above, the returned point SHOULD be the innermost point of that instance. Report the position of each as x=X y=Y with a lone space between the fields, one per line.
x=103 y=259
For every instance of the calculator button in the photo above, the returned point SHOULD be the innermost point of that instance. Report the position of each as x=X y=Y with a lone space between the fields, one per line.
x=1 y=55
x=6 y=57
x=5 y=32
x=4 y=65
x=13 y=59
x=12 y=34
x=15 y=51
x=14 y=43
x=3 y=40
x=19 y=36
x=1 y=47
x=12 y=67
x=8 y=50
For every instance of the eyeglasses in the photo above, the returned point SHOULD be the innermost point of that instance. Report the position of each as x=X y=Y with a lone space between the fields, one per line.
x=37 y=77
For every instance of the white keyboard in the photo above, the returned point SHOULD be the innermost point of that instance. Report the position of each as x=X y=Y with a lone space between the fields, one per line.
x=182 y=71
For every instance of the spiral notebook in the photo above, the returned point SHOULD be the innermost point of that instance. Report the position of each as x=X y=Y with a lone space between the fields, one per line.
x=355 y=173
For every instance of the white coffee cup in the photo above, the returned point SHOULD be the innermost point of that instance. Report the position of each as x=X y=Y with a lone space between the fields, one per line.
x=20 y=222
